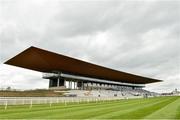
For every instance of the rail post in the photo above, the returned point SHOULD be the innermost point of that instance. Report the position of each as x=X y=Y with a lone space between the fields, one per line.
x=50 y=103
x=57 y=100
x=6 y=104
x=65 y=102
x=23 y=101
x=30 y=104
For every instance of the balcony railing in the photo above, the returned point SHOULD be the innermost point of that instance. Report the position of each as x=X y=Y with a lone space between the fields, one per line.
x=50 y=75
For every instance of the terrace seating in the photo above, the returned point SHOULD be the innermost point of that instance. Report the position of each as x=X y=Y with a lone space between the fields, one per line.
x=110 y=93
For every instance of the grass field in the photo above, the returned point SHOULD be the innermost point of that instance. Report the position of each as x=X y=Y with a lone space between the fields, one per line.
x=151 y=108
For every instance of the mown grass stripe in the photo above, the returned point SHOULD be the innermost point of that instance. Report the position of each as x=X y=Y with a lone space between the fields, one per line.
x=178 y=109
x=87 y=113
x=127 y=109
x=76 y=111
x=143 y=110
x=167 y=112
x=92 y=113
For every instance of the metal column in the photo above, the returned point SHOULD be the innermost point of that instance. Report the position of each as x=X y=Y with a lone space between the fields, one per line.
x=58 y=82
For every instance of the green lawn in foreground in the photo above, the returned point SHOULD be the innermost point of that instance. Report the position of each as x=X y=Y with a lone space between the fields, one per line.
x=151 y=108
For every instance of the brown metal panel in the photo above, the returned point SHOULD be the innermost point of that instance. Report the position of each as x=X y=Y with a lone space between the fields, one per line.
x=45 y=61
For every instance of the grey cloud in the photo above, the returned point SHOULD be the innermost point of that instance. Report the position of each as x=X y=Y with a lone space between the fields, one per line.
x=77 y=18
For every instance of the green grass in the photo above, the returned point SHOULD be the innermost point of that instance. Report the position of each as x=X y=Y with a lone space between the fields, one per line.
x=151 y=108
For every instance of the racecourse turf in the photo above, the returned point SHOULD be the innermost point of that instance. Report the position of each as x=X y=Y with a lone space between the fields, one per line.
x=150 y=108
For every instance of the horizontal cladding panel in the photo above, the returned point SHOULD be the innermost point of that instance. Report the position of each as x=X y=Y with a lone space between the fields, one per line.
x=99 y=80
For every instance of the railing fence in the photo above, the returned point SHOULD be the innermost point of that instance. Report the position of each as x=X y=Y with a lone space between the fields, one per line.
x=9 y=101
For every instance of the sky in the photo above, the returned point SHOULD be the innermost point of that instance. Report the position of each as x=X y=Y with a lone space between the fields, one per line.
x=139 y=37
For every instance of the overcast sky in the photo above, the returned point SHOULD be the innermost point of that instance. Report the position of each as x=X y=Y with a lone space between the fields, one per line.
x=132 y=36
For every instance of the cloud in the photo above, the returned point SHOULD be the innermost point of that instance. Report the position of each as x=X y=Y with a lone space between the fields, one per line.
x=20 y=78
x=133 y=36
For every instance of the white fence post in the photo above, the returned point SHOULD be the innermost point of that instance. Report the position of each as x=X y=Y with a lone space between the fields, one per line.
x=30 y=104
x=6 y=103
x=57 y=100
x=65 y=102
x=50 y=103
x=23 y=101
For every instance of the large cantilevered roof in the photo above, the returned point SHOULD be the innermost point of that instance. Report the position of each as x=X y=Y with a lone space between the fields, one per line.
x=41 y=60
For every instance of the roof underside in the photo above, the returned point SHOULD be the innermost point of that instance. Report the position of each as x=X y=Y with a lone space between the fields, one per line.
x=45 y=61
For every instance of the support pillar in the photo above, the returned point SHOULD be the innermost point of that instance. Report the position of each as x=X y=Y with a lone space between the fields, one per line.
x=50 y=83
x=65 y=83
x=82 y=85
x=58 y=82
x=69 y=84
x=74 y=85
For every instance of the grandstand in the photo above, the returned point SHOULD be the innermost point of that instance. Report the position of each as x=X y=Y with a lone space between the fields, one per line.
x=79 y=77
